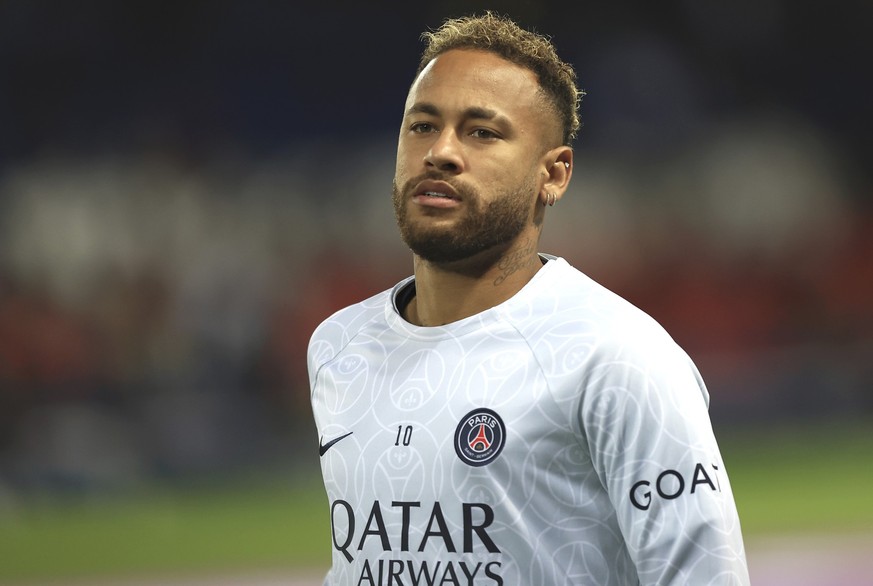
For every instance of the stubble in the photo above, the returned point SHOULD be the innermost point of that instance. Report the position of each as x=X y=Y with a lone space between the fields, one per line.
x=485 y=225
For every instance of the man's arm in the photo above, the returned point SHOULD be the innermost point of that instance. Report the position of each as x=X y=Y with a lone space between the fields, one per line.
x=645 y=415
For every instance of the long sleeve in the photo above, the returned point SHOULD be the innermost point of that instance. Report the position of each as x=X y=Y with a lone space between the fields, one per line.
x=644 y=412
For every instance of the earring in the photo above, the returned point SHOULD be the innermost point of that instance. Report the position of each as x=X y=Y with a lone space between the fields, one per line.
x=552 y=199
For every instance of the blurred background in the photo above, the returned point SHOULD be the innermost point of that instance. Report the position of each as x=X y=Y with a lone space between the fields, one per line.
x=188 y=188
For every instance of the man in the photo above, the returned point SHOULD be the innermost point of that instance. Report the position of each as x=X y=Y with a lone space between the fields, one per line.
x=499 y=418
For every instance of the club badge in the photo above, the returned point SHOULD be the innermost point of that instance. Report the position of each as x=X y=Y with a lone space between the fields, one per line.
x=479 y=437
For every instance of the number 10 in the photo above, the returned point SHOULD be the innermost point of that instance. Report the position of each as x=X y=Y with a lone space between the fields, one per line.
x=406 y=433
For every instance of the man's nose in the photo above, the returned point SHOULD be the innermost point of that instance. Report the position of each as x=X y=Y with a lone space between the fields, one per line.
x=445 y=153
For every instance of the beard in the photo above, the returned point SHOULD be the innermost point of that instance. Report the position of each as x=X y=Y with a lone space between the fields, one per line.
x=484 y=226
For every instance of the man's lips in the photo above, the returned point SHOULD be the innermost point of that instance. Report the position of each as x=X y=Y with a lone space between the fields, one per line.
x=435 y=194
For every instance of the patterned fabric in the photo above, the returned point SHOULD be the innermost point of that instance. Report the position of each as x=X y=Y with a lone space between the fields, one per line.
x=559 y=438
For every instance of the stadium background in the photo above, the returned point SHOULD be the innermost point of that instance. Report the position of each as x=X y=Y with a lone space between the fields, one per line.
x=188 y=188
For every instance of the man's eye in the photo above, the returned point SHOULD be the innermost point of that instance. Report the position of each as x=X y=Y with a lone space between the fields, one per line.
x=483 y=133
x=422 y=127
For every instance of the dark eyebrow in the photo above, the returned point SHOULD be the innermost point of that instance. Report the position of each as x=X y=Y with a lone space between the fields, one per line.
x=471 y=112
x=423 y=108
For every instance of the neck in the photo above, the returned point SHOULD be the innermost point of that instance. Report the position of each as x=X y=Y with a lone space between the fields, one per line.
x=446 y=293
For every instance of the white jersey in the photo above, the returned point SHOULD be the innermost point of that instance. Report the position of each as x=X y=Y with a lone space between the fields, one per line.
x=559 y=438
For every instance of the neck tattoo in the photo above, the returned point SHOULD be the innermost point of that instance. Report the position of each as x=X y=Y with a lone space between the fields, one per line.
x=514 y=262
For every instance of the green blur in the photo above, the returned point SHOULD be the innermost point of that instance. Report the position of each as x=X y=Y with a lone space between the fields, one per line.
x=270 y=525
x=805 y=479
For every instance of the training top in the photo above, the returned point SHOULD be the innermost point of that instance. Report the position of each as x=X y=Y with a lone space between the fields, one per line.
x=559 y=438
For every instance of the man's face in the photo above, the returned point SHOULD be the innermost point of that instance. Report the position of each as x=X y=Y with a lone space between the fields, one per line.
x=467 y=178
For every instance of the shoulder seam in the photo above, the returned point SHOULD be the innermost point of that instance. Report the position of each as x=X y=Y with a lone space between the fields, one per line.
x=582 y=440
x=339 y=351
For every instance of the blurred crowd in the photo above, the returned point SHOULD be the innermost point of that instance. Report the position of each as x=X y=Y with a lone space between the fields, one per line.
x=157 y=293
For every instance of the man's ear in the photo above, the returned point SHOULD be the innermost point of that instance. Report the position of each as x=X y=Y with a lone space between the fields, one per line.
x=558 y=168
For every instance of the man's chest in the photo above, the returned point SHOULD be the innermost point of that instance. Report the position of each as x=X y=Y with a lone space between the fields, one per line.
x=418 y=422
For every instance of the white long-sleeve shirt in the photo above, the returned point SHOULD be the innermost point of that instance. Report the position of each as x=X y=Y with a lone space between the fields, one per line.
x=559 y=438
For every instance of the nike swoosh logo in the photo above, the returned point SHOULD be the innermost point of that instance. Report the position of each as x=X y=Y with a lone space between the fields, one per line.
x=324 y=447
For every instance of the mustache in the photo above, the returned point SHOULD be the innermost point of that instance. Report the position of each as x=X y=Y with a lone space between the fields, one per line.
x=462 y=190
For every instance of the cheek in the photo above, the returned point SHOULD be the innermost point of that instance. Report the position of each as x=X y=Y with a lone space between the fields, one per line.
x=401 y=176
x=402 y=162
x=516 y=175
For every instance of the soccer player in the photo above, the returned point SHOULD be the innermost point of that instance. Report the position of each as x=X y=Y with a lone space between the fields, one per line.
x=499 y=417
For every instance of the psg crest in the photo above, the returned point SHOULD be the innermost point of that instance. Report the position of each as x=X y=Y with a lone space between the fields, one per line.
x=479 y=437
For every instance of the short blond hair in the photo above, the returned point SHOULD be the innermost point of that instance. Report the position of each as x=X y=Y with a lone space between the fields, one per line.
x=500 y=35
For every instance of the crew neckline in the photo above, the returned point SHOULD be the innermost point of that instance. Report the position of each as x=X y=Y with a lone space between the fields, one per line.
x=404 y=291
